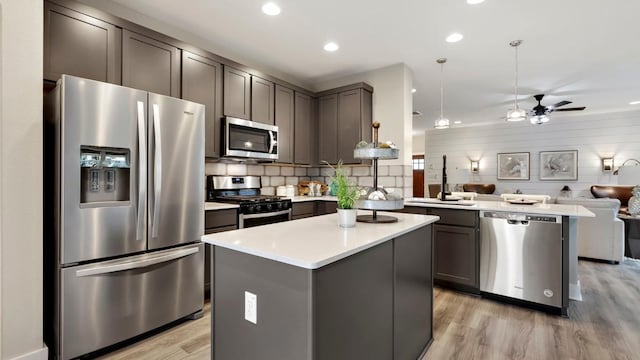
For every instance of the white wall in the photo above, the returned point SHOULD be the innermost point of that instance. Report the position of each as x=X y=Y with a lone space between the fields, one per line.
x=594 y=136
x=418 y=144
x=21 y=179
x=392 y=104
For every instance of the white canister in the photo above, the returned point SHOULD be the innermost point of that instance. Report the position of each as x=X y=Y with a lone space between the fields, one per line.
x=290 y=191
x=281 y=191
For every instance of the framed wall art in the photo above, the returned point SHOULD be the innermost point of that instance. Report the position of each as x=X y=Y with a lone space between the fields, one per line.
x=559 y=165
x=513 y=166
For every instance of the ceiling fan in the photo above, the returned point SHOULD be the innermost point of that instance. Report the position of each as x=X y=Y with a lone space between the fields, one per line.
x=540 y=113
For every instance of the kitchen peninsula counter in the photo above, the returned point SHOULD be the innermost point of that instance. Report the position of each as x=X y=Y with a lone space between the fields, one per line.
x=309 y=289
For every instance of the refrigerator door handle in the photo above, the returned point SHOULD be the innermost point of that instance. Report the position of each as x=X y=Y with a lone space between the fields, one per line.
x=136 y=264
x=142 y=172
x=157 y=170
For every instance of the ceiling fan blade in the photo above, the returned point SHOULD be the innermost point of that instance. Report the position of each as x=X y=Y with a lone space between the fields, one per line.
x=561 y=103
x=572 y=109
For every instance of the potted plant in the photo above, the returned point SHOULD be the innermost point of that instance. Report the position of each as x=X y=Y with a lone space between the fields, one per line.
x=347 y=194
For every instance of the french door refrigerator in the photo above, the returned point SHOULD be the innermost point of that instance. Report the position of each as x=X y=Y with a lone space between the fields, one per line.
x=128 y=213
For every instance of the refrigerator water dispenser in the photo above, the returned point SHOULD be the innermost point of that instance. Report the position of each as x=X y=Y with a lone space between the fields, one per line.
x=105 y=174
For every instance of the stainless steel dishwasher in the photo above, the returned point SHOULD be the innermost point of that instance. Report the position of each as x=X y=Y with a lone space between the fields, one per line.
x=521 y=256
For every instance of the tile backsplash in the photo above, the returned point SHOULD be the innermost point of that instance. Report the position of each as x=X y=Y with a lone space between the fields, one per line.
x=396 y=178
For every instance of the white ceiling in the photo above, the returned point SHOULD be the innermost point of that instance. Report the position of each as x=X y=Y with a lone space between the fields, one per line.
x=585 y=51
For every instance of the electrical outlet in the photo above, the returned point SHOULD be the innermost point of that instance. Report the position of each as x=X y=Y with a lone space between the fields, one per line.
x=250 y=307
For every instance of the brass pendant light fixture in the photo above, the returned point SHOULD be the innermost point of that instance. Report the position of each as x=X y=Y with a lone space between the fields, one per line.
x=442 y=122
x=516 y=114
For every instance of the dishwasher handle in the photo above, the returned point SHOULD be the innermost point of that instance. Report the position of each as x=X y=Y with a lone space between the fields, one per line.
x=518 y=222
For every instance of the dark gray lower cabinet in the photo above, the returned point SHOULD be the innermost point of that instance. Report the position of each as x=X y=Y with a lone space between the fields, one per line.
x=374 y=305
x=216 y=221
x=326 y=207
x=456 y=255
x=301 y=210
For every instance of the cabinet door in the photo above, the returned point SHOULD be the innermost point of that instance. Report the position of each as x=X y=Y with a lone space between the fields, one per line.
x=284 y=120
x=80 y=45
x=328 y=128
x=237 y=93
x=202 y=83
x=456 y=255
x=349 y=124
x=303 y=142
x=262 y=100
x=150 y=65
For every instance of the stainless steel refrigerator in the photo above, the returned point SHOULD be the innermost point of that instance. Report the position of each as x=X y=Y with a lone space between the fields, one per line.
x=127 y=196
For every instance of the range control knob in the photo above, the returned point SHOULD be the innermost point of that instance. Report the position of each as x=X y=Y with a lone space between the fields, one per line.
x=278 y=205
x=268 y=206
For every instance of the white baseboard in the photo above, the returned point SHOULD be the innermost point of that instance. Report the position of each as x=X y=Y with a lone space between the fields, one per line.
x=575 y=292
x=40 y=354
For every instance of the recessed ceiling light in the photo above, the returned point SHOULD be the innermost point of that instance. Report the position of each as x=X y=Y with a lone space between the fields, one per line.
x=457 y=122
x=474 y=2
x=413 y=90
x=331 y=47
x=455 y=37
x=635 y=102
x=271 y=9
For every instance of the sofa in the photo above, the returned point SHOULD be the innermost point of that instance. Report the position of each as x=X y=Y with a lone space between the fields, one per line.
x=600 y=237
x=622 y=193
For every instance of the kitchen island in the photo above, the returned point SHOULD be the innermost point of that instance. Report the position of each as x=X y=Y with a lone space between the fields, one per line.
x=309 y=289
x=457 y=259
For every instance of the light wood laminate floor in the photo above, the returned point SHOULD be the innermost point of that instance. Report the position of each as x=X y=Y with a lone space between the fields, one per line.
x=605 y=325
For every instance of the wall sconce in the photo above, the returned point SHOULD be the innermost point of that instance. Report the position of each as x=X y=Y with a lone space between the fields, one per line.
x=607 y=164
x=475 y=167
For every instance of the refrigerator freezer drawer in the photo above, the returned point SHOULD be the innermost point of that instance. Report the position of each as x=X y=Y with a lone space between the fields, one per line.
x=108 y=302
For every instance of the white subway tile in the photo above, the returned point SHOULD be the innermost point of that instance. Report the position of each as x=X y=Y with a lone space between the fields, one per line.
x=269 y=190
x=360 y=171
x=256 y=170
x=291 y=180
x=395 y=170
x=313 y=171
x=300 y=171
x=236 y=169
x=270 y=170
x=215 y=169
x=277 y=180
x=286 y=171
x=265 y=180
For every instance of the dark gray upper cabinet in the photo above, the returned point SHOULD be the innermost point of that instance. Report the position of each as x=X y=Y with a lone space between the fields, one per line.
x=262 y=100
x=80 y=45
x=202 y=83
x=237 y=93
x=344 y=120
x=304 y=130
x=150 y=65
x=328 y=128
x=284 y=103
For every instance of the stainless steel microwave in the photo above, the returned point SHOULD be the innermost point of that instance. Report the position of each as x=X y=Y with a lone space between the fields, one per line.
x=249 y=139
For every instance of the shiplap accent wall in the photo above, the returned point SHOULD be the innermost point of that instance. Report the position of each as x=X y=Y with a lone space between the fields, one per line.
x=594 y=136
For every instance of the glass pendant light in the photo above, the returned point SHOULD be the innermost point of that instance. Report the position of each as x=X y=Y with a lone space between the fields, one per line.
x=442 y=122
x=516 y=114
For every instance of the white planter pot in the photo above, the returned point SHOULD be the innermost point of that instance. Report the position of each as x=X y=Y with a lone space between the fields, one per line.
x=347 y=217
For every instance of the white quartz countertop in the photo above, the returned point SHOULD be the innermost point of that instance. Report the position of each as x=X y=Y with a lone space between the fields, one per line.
x=314 y=242
x=219 y=206
x=313 y=198
x=549 y=209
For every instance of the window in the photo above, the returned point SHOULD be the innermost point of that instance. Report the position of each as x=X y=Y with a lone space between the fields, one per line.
x=418 y=164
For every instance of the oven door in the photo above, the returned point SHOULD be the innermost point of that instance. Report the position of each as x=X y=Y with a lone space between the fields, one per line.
x=250 y=220
x=250 y=139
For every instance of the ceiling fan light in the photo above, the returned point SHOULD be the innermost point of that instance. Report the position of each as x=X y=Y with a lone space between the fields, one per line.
x=539 y=119
x=442 y=123
x=516 y=114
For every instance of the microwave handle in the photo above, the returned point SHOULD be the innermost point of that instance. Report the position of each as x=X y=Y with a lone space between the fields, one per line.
x=272 y=141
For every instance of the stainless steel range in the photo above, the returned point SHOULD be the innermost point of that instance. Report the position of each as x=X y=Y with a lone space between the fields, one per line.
x=255 y=209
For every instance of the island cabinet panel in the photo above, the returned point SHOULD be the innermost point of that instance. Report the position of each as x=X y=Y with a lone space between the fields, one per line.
x=151 y=65
x=237 y=93
x=354 y=307
x=202 y=83
x=328 y=128
x=283 y=329
x=413 y=302
x=304 y=130
x=80 y=45
x=262 y=100
x=302 y=210
x=456 y=249
x=284 y=119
